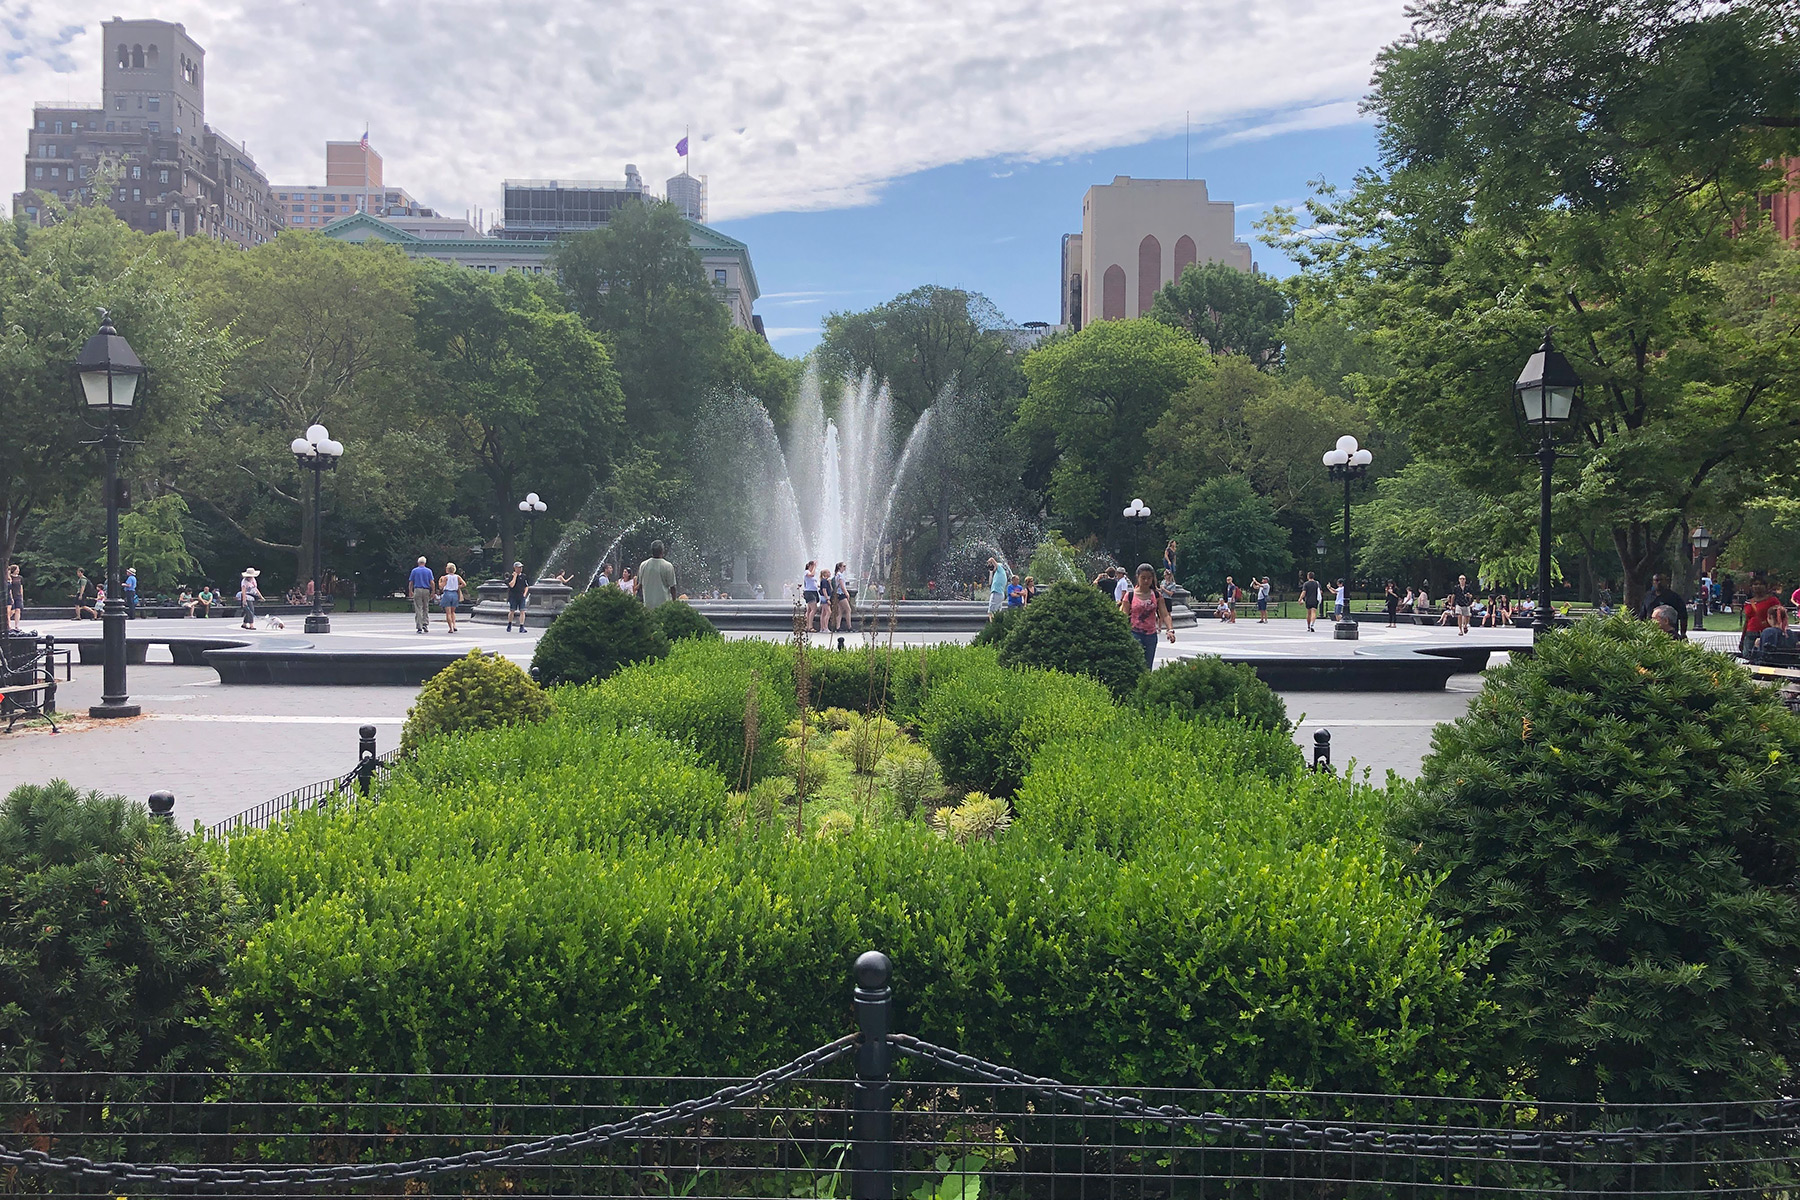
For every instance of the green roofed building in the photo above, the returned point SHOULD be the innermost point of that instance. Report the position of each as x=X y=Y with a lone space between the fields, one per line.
x=725 y=259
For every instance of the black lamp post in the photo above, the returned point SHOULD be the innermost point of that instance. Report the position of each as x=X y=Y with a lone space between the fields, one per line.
x=317 y=453
x=1546 y=392
x=1347 y=462
x=1702 y=539
x=108 y=372
x=531 y=508
x=1138 y=513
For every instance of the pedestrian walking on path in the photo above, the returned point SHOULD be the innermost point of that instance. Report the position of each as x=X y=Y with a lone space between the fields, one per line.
x=1393 y=606
x=420 y=582
x=1312 y=595
x=1461 y=598
x=656 y=577
x=1147 y=610
x=248 y=595
x=15 y=598
x=450 y=594
x=516 y=590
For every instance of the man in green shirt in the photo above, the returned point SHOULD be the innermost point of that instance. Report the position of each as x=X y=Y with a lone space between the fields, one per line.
x=656 y=577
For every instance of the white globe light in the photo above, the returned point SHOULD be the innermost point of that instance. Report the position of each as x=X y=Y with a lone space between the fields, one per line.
x=531 y=497
x=1361 y=458
x=317 y=433
x=1137 y=503
x=333 y=447
x=524 y=506
x=300 y=446
x=1144 y=511
x=1346 y=445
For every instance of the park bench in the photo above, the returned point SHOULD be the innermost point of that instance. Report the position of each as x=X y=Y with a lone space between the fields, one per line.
x=28 y=677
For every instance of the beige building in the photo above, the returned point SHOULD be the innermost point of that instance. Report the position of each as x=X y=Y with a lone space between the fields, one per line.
x=353 y=184
x=1137 y=235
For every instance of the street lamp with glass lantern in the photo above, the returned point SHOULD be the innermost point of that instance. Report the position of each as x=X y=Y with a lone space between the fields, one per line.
x=1546 y=392
x=531 y=508
x=1346 y=461
x=1138 y=513
x=317 y=453
x=1702 y=539
x=108 y=372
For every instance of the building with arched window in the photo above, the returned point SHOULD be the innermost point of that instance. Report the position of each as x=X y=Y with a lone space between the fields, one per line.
x=1138 y=235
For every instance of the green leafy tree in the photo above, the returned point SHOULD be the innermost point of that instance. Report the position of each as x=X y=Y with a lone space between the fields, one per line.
x=113 y=929
x=638 y=282
x=153 y=539
x=52 y=279
x=1620 y=812
x=525 y=390
x=322 y=332
x=1093 y=397
x=750 y=365
x=1227 y=529
x=1595 y=167
x=1227 y=310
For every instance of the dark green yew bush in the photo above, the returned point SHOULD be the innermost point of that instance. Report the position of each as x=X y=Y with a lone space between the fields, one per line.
x=600 y=631
x=1624 y=809
x=1208 y=688
x=1074 y=629
x=113 y=927
x=477 y=691
x=678 y=619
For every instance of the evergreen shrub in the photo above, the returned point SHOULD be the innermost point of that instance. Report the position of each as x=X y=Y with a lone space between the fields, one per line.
x=1208 y=688
x=599 y=632
x=477 y=691
x=984 y=723
x=1074 y=629
x=1625 y=809
x=113 y=928
x=678 y=619
x=1284 y=950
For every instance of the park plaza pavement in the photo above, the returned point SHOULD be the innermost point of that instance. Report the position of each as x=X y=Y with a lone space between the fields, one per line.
x=224 y=749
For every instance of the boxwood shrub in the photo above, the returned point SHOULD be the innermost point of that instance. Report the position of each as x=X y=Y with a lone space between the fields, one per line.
x=983 y=723
x=477 y=691
x=596 y=634
x=1206 y=687
x=1286 y=949
x=678 y=619
x=1073 y=628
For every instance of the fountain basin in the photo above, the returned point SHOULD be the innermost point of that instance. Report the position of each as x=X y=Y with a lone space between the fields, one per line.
x=543 y=602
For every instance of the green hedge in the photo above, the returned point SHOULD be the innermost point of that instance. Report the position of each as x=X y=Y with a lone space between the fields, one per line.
x=983 y=723
x=1284 y=949
x=1207 y=687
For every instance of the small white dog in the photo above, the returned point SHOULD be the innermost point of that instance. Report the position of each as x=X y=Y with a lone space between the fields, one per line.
x=271 y=621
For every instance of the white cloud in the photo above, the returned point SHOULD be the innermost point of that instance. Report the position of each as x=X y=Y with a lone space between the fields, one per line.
x=793 y=104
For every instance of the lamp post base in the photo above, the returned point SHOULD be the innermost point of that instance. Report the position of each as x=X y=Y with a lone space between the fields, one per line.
x=105 y=711
x=318 y=623
x=1345 y=631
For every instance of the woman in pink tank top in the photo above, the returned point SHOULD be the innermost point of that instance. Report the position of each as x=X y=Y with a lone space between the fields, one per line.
x=1147 y=610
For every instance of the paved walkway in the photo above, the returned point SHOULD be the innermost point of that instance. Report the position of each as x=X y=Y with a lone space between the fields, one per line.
x=224 y=749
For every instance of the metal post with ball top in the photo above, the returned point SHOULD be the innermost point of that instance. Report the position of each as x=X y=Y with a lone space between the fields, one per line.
x=108 y=373
x=1347 y=461
x=318 y=453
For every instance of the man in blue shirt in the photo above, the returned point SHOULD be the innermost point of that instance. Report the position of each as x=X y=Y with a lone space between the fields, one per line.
x=996 y=587
x=421 y=581
x=129 y=588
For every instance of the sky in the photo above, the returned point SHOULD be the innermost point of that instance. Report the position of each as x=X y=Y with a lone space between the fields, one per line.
x=860 y=148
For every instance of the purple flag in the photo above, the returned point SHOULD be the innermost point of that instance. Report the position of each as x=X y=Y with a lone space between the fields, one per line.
x=681 y=146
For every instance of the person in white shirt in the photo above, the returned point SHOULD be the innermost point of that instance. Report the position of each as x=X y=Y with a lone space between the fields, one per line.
x=1121 y=585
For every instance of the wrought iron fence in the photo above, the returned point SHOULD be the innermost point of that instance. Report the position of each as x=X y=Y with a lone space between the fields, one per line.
x=913 y=1120
x=313 y=795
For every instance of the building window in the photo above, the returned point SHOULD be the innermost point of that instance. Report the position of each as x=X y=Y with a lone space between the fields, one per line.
x=42 y=125
x=163 y=175
x=150 y=54
x=119 y=102
x=58 y=127
x=1112 y=293
x=153 y=126
x=281 y=195
x=315 y=208
x=124 y=56
x=137 y=172
x=297 y=219
x=136 y=195
x=109 y=127
x=156 y=104
x=137 y=57
x=719 y=276
x=1149 y=273
x=37 y=173
x=56 y=172
x=331 y=208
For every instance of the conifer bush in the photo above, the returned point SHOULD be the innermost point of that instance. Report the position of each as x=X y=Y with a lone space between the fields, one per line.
x=477 y=691
x=1207 y=688
x=113 y=928
x=1074 y=629
x=599 y=632
x=678 y=619
x=1624 y=810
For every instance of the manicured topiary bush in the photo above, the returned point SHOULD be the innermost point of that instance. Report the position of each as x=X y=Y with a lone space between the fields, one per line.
x=984 y=723
x=600 y=631
x=998 y=626
x=1207 y=688
x=113 y=928
x=1075 y=629
x=477 y=691
x=678 y=619
x=1625 y=807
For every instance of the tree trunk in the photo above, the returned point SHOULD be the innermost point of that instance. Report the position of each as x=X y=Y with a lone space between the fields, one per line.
x=1637 y=558
x=509 y=510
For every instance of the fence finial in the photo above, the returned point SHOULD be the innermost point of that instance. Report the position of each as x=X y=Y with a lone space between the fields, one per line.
x=1322 y=750
x=162 y=807
x=871 y=1139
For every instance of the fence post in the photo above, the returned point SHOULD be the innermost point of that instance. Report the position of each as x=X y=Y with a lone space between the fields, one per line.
x=365 y=759
x=162 y=807
x=50 y=674
x=871 y=1135
x=1322 y=750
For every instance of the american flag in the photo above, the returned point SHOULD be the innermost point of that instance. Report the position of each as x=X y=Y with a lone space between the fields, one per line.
x=365 y=139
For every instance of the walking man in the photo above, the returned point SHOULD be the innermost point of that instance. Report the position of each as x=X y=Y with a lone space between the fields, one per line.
x=516 y=588
x=997 y=582
x=1311 y=594
x=656 y=577
x=420 y=583
x=84 y=596
x=1461 y=598
x=129 y=587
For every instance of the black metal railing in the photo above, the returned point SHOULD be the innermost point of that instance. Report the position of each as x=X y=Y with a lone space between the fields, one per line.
x=314 y=795
x=912 y=1119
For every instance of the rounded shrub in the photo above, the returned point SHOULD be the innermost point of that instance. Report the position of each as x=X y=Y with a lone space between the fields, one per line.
x=1623 y=809
x=984 y=723
x=1207 y=688
x=477 y=691
x=1074 y=629
x=113 y=929
x=998 y=626
x=599 y=631
x=678 y=619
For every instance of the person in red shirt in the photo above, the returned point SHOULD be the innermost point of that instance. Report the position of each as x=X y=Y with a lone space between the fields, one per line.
x=1764 y=613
